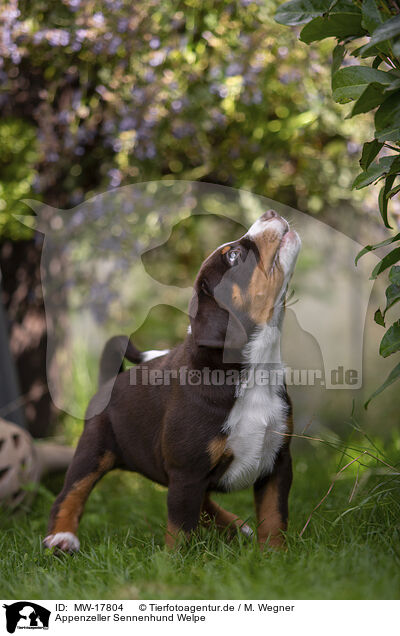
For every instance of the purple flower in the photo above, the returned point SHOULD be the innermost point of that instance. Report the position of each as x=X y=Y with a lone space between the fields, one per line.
x=116 y=177
x=98 y=47
x=98 y=19
x=149 y=76
x=114 y=44
x=38 y=37
x=353 y=147
x=157 y=58
x=81 y=34
x=122 y=25
x=176 y=105
x=207 y=35
x=58 y=37
x=155 y=43
x=127 y=123
x=74 y=4
x=64 y=117
x=117 y=145
x=15 y=56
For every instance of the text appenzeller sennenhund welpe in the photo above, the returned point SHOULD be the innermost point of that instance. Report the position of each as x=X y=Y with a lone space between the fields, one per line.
x=196 y=438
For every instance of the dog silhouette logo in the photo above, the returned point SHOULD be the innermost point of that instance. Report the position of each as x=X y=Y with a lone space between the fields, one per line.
x=26 y=615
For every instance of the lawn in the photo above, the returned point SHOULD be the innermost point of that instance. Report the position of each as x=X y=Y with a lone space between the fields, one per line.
x=349 y=550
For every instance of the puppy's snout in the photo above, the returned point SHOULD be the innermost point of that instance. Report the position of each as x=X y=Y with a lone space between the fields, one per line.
x=270 y=226
x=269 y=214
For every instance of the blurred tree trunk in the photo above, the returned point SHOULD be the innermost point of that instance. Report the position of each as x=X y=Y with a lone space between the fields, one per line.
x=10 y=397
x=24 y=307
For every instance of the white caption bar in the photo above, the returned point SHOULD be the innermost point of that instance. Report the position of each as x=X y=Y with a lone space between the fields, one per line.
x=174 y=617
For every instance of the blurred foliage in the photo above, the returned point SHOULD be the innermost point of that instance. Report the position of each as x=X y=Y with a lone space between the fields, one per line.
x=176 y=262
x=368 y=30
x=107 y=93
x=17 y=169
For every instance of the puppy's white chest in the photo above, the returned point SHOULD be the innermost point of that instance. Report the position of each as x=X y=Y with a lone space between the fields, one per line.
x=256 y=429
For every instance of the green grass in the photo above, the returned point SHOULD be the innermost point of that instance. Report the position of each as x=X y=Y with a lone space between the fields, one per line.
x=349 y=550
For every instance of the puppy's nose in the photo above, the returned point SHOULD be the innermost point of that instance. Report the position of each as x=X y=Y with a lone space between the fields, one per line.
x=269 y=214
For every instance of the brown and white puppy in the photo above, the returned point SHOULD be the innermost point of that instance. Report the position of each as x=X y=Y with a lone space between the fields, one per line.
x=200 y=436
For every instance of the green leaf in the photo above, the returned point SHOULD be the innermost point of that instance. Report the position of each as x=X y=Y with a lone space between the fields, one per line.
x=350 y=82
x=374 y=172
x=302 y=11
x=383 y=200
x=390 y=342
x=393 y=86
x=339 y=25
x=369 y=99
x=378 y=317
x=387 y=117
x=359 y=52
x=387 y=261
x=392 y=192
x=394 y=274
x=372 y=19
x=369 y=152
x=299 y=11
x=392 y=377
x=371 y=248
x=371 y=16
x=386 y=31
x=337 y=57
x=395 y=167
x=392 y=296
x=389 y=134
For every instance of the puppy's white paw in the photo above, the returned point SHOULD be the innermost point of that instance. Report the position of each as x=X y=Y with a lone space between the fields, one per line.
x=65 y=541
x=246 y=530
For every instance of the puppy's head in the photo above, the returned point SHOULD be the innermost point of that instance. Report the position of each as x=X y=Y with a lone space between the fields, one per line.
x=242 y=285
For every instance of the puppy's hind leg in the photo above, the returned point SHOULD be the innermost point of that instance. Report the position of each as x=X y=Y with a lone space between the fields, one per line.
x=94 y=456
x=212 y=512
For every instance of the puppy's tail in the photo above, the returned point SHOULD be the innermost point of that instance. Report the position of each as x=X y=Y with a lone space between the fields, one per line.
x=114 y=352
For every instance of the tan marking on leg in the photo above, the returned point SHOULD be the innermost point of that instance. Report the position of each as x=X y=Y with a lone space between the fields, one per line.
x=174 y=535
x=212 y=512
x=270 y=522
x=71 y=508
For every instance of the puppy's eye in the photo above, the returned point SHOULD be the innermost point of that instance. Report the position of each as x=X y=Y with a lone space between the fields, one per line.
x=233 y=256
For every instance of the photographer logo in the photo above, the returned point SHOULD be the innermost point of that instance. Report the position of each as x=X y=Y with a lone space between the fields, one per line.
x=26 y=615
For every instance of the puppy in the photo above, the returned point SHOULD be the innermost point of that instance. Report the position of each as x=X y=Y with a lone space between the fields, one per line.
x=210 y=415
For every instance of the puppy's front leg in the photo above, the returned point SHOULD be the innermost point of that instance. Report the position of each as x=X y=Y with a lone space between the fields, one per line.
x=222 y=518
x=94 y=457
x=271 y=495
x=185 y=498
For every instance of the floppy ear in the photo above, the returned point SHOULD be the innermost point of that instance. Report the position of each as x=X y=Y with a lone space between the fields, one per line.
x=208 y=321
x=215 y=326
